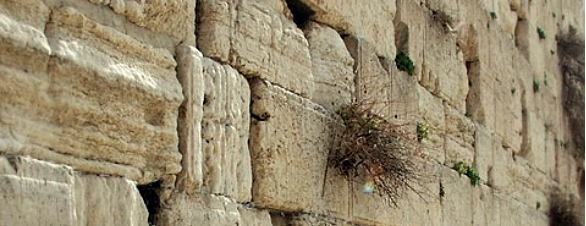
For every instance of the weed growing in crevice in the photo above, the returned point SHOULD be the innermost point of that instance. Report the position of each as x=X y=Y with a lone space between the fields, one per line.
x=536 y=86
x=471 y=172
x=404 y=63
x=493 y=15
x=563 y=210
x=422 y=131
x=541 y=33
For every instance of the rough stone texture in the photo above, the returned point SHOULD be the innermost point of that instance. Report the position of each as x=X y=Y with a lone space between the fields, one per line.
x=257 y=39
x=208 y=209
x=41 y=193
x=285 y=160
x=436 y=119
x=108 y=201
x=118 y=108
x=214 y=141
x=457 y=202
x=332 y=67
x=371 y=21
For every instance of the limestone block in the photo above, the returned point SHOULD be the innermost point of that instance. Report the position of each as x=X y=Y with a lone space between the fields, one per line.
x=459 y=127
x=506 y=17
x=483 y=151
x=258 y=40
x=456 y=152
x=534 y=138
x=513 y=212
x=371 y=21
x=431 y=112
x=108 y=201
x=25 y=47
x=457 y=200
x=332 y=67
x=509 y=124
x=410 y=23
x=480 y=102
x=214 y=127
x=444 y=69
x=31 y=12
x=485 y=208
x=108 y=104
x=40 y=194
x=372 y=209
x=6 y=167
x=531 y=46
x=175 y=18
x=473 y=36
x=290 y=141
x=572 y=14
x=185 y=209
x=500 y=176
x=447 y=8
x=253 y=217
x=312 y=219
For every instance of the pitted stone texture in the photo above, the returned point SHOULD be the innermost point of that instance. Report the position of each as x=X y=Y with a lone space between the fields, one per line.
x=175 y=18
x=457 y=199
x=332 y=67
x=214 y=127
x=444 y=69
x=290 y=141
x=108 y=201
x=31 y=12
x=114 y=114
x=431 y=112
x=39 y=194
x=21 y=45
x=208 y=209
x=371 y=21
x=257 y=39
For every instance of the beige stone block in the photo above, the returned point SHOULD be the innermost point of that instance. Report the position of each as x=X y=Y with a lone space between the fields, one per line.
x=258 y=40
x=457 y=200
x=459 y=127
x=332 y=67
x=372 y=21
x=31 y=12
x=448 y=9
x=485 y=207
x=483 y=151
x=312 y=219
x=253 y=217
x=500 y=176
x=534 y=138
x=431 y=112
x=108 y=201
x=372 y=209
x=24 y=47
x=39 y=193
x=509 y=122
x=185 y=209
x=480 y=102
x=103 y=110
x=214 y=128
x=290 y=141
x=506 y=18
x=410 y=23
x=6 y=167
x=456 y=152
x=444 y=69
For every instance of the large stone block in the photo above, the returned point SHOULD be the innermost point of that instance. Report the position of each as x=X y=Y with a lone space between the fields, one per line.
x=534 y=139
x=332 y=67
x=100 y=109
x=208 y=209
x=410 y=23
x=457 y=199
x=444 y=69
x=108 y=201
x=214 y=127
x=480 y=102
x=483 y=151
x=290 y=141
x=258 y=40
x=31 y=12
x=372 y=21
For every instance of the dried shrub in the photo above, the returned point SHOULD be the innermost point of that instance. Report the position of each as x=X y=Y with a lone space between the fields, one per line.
x=378 y=153
x=563 y=211
x=570 y=48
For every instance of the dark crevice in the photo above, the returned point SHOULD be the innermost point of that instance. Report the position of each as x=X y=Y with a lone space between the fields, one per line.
x=150 y=196
x=301 y=12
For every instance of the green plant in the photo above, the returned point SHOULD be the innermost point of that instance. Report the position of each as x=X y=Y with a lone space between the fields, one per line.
x=541 y=33
x=471 y=172
x=536 y=86
x=545 y=79
x=554 y=14
x=404 y=63
x=552 y=52
x=422 y=131
x=565 y=144
x=537 y=205
x=493 y=15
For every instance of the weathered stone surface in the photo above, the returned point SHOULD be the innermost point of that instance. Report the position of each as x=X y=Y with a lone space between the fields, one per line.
x=444 y=69
x=31 y=12
x=534 y=139
x=214 y=129
x=117 y=109
x=290 y=141
x=332 y=67
x=175 y=18
x=371 y=21
x=258 y=40
x=310 y=220
x=459 y=127
x=483 y=151
x=480 y=102
x=410 y=23
x=457 y=199
x=429 y=112
x=108 y=201
x=208 y=209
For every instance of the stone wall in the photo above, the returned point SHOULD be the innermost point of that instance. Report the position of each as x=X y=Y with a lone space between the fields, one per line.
x=223 y=112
